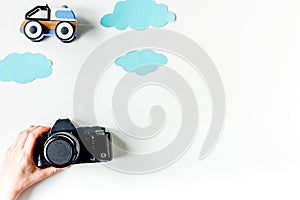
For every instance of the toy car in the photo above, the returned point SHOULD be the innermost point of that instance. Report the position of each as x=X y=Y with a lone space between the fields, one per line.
x=42 y=21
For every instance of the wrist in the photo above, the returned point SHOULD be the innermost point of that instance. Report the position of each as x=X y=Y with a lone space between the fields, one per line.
x=7 y=193
x=9 y=196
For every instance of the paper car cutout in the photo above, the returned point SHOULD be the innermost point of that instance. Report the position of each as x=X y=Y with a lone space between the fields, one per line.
x=42 y=21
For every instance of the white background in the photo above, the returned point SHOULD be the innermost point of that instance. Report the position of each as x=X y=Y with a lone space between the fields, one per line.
x=255 y=46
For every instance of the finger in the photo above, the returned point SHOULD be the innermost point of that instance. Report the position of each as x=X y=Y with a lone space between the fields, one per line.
x=21 y=138
x=44 y=173
x=32 y=137
x=24 y=135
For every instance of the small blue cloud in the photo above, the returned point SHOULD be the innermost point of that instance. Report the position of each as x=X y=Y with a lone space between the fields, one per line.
x=138 y=15
x=24 y=68
x=141 y=62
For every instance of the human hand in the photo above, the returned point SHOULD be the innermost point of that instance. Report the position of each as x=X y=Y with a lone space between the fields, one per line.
x=19 y=171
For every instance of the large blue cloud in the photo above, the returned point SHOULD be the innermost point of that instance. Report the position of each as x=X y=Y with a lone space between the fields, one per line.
x=142 y=62
x=138 y=15
x=24 y=68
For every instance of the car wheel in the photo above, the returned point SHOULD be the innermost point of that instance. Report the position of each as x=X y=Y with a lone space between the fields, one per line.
x=65 y=31
x=33 y=30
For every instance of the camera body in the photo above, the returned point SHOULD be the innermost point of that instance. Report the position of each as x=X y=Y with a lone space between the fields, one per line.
x=65 y=145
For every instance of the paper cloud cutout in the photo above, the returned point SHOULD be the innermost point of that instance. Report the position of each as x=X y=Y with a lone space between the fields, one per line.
x=24 y=68
x=138 y=15
x=141 y=62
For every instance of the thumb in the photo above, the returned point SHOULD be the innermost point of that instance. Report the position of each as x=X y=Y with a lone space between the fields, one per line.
x=50 y=171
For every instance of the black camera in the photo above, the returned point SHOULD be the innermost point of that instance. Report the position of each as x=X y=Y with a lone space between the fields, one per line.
x=65 y=145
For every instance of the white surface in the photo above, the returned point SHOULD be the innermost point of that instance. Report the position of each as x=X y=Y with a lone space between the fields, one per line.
x=255 y=46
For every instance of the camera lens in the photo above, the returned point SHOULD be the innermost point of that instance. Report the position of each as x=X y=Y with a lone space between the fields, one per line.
x=59 y=152
x=61 y=149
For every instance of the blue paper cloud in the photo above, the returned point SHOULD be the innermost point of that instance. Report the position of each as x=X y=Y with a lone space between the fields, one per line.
x=141 y=62
x=138 y=15
x=24 y=68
